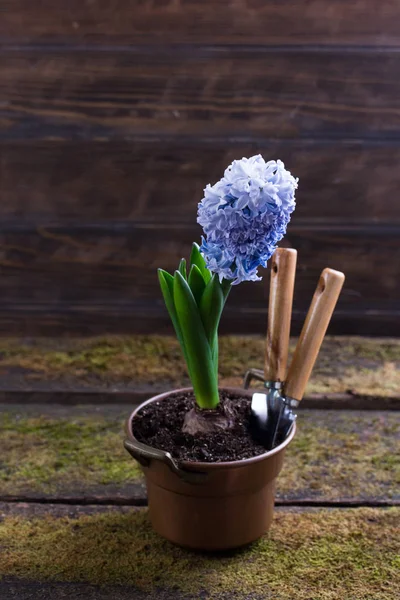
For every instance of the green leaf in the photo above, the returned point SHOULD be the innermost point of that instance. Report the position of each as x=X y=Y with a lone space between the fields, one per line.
x=196 y=283
x=226 y=286
x=211 y=305
x=167 y=287
x=196 y=258
x=214 y=353
x=198 y=351
x=182 y=268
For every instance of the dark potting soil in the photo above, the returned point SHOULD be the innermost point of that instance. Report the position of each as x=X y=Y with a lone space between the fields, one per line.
x=159 y=425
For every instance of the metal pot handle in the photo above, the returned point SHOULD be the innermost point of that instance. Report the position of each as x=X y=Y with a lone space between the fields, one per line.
x=145 y=454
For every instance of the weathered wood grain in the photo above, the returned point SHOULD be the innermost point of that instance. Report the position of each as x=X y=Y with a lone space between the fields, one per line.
x=99 y=264
x=98 y=279
x=100 y=111
x=32 y=510
x=132 y=495
x=202 y=91
x=163 y=180
x=85 y=319
x=366 y=22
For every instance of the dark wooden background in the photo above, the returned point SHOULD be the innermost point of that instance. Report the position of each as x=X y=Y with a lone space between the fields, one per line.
x=115 y=114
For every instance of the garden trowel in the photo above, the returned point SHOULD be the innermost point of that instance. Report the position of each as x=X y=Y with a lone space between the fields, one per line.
x=305 y=355
x=266 y=406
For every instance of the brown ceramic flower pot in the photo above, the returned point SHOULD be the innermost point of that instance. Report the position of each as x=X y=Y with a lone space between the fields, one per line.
x=208 y=506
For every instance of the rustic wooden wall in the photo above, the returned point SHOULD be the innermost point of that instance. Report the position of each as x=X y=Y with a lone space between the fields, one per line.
x=115 y=114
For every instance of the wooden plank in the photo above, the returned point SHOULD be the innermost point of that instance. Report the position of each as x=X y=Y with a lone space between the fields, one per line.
x=133 y=495
x=366 y=22
x=92 y=268
x=74 y=319
x=53 y=395
x=125 y=498
x=163 y=181
x=202 y=91
x=102 y=264
x=350 y=372
x=338 y=458
x=32 y=510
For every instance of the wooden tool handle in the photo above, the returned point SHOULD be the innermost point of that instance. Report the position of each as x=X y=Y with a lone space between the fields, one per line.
x=313 y=332
x=283 y=270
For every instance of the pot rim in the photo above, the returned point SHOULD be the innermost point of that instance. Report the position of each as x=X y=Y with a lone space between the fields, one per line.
x=192 y=465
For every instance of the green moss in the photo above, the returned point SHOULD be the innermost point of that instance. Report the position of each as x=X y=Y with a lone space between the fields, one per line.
x=385 y=350
x=46 y=454
x=136 y=357
x=364 y=365
x=308 y=556
x=341 y=454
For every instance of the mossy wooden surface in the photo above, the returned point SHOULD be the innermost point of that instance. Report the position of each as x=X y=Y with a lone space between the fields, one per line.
x=362 y=365
x=63 y=454
x=336 y=455
x=323 y=555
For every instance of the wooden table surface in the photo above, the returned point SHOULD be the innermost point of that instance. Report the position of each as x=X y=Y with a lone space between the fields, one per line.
x=63 y=469
x=73 y=515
